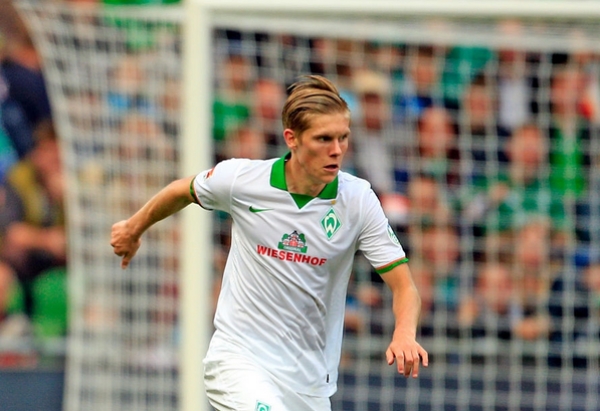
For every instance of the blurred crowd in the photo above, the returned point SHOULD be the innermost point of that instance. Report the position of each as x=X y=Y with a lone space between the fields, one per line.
x=482 y=158
x=32 y=231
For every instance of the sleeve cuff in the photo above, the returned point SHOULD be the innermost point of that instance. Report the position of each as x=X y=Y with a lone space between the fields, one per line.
x=388 y=267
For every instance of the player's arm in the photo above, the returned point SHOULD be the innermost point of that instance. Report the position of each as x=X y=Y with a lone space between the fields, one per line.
x=404 y=348
x=126 y=235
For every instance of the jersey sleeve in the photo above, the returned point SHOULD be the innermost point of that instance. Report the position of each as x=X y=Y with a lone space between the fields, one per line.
x=212 y=188
x=377 y=239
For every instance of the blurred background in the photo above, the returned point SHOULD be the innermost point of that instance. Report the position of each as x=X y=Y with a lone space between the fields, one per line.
x=479 y=136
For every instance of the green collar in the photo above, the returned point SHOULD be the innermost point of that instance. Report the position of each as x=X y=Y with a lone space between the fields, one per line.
x=278 y=181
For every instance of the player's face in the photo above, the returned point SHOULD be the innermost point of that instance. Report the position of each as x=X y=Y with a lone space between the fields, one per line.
x=320 y=149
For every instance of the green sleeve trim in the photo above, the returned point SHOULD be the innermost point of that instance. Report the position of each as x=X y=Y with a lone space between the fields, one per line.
x=390 y=266
x=193 y=192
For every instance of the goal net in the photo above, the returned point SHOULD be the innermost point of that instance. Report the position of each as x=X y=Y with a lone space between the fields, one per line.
x=479 y=135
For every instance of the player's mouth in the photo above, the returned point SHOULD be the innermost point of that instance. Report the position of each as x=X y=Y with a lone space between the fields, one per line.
x=332 y=167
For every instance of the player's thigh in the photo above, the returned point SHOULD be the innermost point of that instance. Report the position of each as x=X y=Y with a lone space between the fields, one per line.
x=238 y=385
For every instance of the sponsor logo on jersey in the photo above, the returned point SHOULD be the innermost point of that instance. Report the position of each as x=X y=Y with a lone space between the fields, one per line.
x=293 y=242
x=292 y=248
x=331 y=223
x=290 y=256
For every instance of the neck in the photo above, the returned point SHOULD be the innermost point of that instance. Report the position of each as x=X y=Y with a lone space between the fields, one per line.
x=298 y=181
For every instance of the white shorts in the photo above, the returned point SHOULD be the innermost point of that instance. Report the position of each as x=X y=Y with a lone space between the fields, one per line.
x=234 y=383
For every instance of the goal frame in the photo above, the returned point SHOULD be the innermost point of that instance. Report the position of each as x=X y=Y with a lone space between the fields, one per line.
x=196 y=254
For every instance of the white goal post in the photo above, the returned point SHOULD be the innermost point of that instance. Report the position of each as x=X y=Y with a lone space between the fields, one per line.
x=585 y=9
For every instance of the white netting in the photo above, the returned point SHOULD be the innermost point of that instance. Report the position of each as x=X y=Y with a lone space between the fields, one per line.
x=114 y=84
x=479 y=136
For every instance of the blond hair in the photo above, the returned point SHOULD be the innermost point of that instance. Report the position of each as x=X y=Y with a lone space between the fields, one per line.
x=310 y=96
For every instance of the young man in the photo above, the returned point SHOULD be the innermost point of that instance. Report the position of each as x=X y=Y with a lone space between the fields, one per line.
x=297 y=223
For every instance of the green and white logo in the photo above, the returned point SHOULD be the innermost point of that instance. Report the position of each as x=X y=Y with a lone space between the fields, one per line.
x=261 y=406
x=293 y=242
x=392 y=235
x=331 y=223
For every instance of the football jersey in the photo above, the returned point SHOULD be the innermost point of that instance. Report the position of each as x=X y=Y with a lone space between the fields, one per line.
x=283 y=293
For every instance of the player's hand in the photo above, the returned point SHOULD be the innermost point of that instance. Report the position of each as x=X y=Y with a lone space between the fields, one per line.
x=125 y=244
x=408 y=354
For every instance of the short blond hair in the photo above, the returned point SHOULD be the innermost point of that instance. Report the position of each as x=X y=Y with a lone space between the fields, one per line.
x=310 y=96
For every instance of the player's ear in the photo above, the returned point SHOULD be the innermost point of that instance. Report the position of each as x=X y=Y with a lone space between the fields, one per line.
x=290 y=139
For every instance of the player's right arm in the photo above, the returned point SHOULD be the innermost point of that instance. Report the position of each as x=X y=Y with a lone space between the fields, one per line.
x=126 y=234
x=211 y=189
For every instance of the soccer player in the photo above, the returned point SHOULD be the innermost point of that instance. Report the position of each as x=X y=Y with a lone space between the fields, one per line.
x=297 y=223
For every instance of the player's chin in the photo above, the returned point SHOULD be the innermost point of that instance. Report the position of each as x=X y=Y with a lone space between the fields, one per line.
x=330 y=173
x=326 y=179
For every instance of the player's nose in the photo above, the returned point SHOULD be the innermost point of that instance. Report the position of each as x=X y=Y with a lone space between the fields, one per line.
x=336 y=148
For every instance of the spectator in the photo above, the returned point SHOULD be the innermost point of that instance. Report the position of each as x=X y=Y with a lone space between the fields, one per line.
x=231 y=106
x=143 y=139
x=515 y=98
x=428 y=204
x=532 y=274
x=462 y=65
x=389 y=58
x=435 y=254
x=32 y=220
x=13 y=121
x=421 y=85
x=569 y=133
x=440 y=250
x=268 y=96
x=486 y=312
x=245 y=142
x=346 y=67
x=375 y=144
x=513 y=196
x=170 y=105
x=322 y=56
x=513 y=92
x=22 y=71
x=478 y=126
x=437 y=150
x=127 y=87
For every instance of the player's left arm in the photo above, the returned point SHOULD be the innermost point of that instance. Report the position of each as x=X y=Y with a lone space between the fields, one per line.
x=404 y=348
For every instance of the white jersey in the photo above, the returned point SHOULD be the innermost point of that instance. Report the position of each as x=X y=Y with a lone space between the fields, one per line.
x=283 y=295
